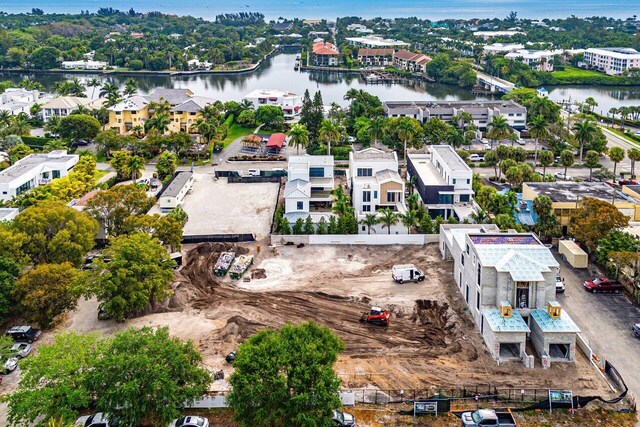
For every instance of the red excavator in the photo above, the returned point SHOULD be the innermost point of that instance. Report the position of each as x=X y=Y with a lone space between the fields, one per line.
x=376 y=316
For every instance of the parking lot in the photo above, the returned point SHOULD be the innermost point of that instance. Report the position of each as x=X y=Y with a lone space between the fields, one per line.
x=606 y=321
x=217 y=207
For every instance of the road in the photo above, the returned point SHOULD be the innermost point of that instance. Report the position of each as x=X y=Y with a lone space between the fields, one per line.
x=606 y=320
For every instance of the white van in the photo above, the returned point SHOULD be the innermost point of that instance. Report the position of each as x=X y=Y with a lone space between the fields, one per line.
x=406 y=273
x=253 y=172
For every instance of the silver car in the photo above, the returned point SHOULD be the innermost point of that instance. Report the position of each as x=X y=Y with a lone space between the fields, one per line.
x=10 y=365
x=21 y=350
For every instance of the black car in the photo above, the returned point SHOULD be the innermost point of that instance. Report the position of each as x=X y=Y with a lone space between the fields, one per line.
x=24 y=333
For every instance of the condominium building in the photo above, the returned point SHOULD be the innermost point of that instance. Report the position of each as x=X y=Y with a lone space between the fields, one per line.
x=508 y=281
x=491 y=34
x=62 y=106
x=375 y=57
x=497 y=48
x=372 y=42
x=35 y=170
x=375 y=184
x=612 y=60
x=308 y=188
x=481 y=111
x=443 y=181
x=129 y=113
x=410 y=61
x=325 y=54
x=290 y=103
x=18 y=100
x=539 y=60
x=84 y=65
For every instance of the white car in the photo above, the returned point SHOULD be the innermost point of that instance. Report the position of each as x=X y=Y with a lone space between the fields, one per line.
x=561 y=175
x=476 y=158
x=98 y=419
x=559 y=285
x=10 y=365
x=21 y=350
x=190 y=421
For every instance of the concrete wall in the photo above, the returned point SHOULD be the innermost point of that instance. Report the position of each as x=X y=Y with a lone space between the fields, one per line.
x=356 y=239
x=541 y=341
x=493 y=339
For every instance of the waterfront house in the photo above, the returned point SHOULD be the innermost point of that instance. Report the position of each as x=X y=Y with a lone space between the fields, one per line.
x=62 y=106
x=612 y=60
x=35 y=170
x=375 y=57
x=410 y=61
x=373 y=42
x=375 y=184
x=539 y=60
x=18 y=100
x=443 y=181
x=325 y=54
x=84 y=65
x=290 y=103
x=128 y=113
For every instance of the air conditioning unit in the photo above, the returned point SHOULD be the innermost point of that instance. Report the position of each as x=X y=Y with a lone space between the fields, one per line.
x=506 y=310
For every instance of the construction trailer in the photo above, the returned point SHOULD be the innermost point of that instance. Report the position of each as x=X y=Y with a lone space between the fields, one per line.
x=573 y=253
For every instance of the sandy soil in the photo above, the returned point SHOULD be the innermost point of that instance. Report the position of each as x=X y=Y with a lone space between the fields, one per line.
x=431 y=339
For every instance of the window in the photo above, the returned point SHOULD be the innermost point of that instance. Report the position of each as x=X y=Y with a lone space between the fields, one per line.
x=365 y=172
x=366 y=208
x=445 y=199
x=375 y=194
x=391 y=197
x=55 y=174
x=462 y=259
x=300 y=206
x=479 y=271
x=454 y=181
x=366 y=196
x=468 y=181
x=464 y=197
x=316 y=172
x=467 y=248
x=478 y=300
x=466 y=294
x=522 y=294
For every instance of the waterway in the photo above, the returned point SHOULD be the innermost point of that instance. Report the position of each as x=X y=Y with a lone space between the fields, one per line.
x=277 y=73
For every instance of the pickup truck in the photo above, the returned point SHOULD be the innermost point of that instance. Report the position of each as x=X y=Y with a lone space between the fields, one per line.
x=602 y=285
x=487 y=417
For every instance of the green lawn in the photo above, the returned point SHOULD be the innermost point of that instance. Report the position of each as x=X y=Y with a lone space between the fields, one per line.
x=571 y=72
x=235 y=132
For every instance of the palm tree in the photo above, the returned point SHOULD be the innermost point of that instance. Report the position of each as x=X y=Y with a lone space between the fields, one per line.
x=538 y=129
x=388 y=218
x=160 y=107
x=616 y=154
x=454 y=137
x=613 y=111
x=370 y=220
x=634 y=156
x=480 y=216
x=158 y=123
x=498 y=129
x=210 y=113
x=409 y=220
x=134 y=166
x=6 y=119
x=376 y=130
x=21 y=125
x=130 y=87
x=586 y=132
x=329 y=132
x=406 y=131
x=299 y=136
x=93 y=83
x=55 y=144
x=81 y=109
x=137 y=131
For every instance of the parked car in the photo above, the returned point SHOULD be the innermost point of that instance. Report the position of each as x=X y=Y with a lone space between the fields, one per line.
x=406 y=273
x=253 y=172
x=21 y=350
x=627 y=182
x=521 y=142
x=190 y=421
x=98 y=419
x=476 y=158
x=230 y=357
x=636 y=330
x=343 y=419
x=487 y=417
x=24 y=333
x=637 y=133
x=10 y=365
x=144 y=181
x=559 y=285
x=561 y=175
x=102 y=315
x=602 y=285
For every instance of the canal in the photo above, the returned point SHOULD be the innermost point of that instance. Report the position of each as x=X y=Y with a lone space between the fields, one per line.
x=277 y=73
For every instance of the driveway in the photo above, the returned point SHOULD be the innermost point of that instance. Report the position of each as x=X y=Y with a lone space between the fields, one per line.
x=605 y=320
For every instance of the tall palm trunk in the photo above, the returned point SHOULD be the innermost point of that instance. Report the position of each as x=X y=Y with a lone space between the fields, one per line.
x=535 y=156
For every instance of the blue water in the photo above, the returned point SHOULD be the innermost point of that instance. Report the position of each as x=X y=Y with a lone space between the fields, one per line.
x=330 y=9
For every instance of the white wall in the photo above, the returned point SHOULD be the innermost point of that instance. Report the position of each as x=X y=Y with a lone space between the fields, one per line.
x=356 y=239
x=291 y=204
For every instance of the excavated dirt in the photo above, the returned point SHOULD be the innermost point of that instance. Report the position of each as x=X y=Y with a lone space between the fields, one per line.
x=431 y=339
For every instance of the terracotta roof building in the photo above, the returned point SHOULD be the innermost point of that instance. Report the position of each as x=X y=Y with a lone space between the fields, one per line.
x=376 y=57
x=325 y=54
x=409 y=61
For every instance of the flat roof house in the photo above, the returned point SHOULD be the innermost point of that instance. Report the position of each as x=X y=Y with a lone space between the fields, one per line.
x=508 y=281
x=481 y=111
x=539 y=60
x=612 y=60
x=84 y=65
x=566 y=196
x=174 y=194
x=289 y=102
x=33 y=171
x=308 y=188
x=443 y=181
x=375 y=184
x=62 y=106
x=18 y=100
x=375 y=42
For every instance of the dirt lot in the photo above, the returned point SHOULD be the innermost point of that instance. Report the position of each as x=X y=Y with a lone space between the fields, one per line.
x=431 y=339
x=216 y=207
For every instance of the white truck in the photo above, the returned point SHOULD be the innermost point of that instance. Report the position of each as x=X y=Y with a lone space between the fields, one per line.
x=487 y=417
x=406 y=273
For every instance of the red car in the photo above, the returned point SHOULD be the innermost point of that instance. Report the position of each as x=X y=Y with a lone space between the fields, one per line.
x=602 y=285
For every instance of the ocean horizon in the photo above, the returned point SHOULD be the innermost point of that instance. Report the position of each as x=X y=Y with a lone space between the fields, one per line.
x=330 y=9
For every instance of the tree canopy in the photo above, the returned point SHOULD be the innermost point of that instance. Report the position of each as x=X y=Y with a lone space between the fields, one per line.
x=595 y=219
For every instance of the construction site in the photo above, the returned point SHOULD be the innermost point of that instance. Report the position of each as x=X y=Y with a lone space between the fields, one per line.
x=430 y=340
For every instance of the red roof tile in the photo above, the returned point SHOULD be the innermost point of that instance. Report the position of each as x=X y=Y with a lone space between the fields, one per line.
x=276 y=140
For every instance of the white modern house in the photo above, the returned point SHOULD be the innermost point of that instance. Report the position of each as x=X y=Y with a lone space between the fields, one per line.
x=375 y=184
x=375 y=42
x=497 y=48
x=18 y=100
x=290 y=103
x=612 y=60
x=486 y=35
x=508 y=281
x=539 y=60
x=35 y=170
x=62 y=106
x=174 y=194
x=308 y=189
x=84 y=65
x=443 y=181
